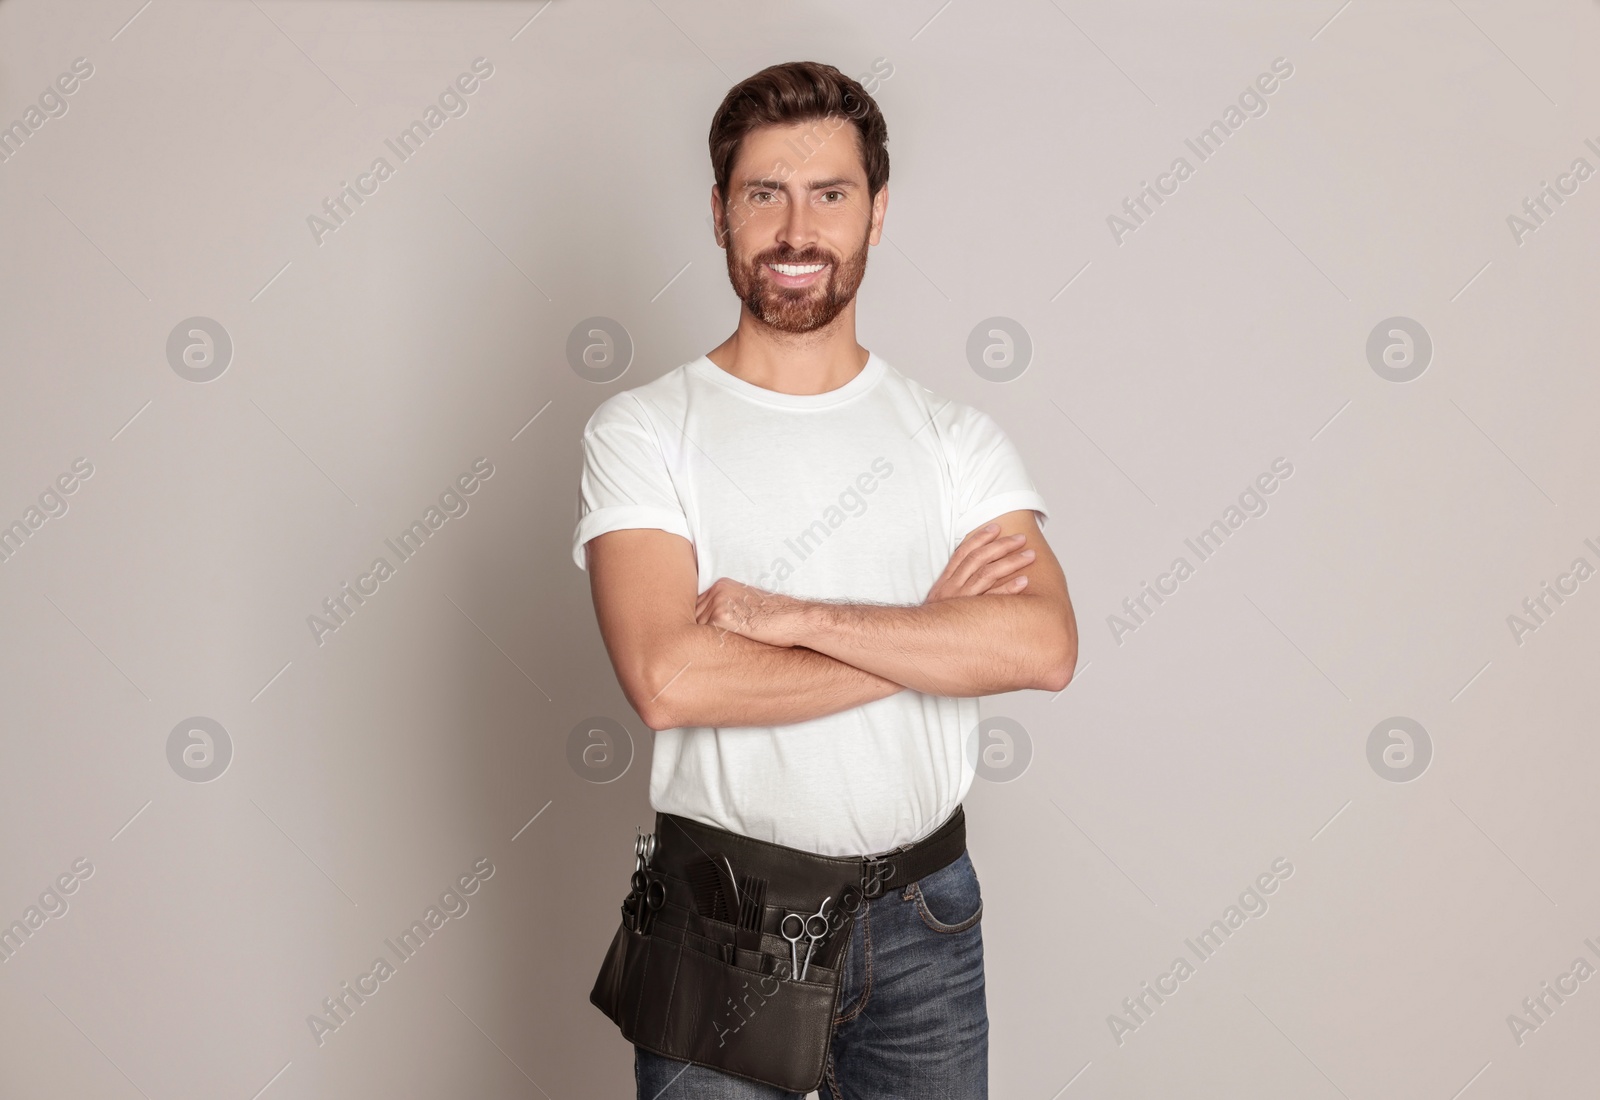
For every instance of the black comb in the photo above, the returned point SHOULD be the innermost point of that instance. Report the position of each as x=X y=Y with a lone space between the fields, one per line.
x=706 y=884
x=716 y=893
x=752 y=900
x=727 y=890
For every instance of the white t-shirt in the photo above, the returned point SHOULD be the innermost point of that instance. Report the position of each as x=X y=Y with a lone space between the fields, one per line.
x=861 y=494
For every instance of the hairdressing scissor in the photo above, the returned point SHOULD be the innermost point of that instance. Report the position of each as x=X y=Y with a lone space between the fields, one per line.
x=811 y=928
x=646 y=895
x=651 y=894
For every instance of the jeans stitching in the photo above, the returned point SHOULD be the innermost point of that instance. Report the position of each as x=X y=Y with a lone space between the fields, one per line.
x=866 y=958
x=834 y=1092
x=938 y=926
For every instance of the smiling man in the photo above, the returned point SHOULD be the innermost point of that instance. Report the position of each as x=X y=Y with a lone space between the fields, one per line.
x=806 y=569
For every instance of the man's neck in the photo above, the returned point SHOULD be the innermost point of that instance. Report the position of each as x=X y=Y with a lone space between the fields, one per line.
x=792 y=363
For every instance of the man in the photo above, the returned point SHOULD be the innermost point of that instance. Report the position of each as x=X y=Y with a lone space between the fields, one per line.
x=806 y=568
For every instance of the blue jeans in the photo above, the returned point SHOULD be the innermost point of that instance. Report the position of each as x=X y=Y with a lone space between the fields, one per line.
x=913 y=1020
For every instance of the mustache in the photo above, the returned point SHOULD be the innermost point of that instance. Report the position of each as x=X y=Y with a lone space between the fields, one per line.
x=807 y=257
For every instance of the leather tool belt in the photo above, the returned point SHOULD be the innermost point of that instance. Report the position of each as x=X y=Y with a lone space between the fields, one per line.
x=730 y=953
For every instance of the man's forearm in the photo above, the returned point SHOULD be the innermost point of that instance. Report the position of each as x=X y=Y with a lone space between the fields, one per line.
x=972 y=645
x=712 y=677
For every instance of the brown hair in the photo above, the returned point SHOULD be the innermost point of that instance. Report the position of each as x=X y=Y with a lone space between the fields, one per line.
x=798 y=91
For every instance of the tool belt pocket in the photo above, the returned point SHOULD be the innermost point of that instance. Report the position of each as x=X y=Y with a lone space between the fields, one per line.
x=694 y=995
x=703 y=970
x=732 y=950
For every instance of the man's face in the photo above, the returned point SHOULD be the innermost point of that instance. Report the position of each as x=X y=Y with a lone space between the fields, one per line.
x=798 y=222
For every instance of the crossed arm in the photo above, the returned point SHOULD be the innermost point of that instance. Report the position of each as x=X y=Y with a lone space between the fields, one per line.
x=998 y=619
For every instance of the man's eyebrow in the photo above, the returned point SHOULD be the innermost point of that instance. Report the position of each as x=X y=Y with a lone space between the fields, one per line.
x=816 y=185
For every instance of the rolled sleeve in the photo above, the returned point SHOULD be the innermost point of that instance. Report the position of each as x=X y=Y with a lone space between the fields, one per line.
x=997 y=506
x=625 y=482
x=991 y=478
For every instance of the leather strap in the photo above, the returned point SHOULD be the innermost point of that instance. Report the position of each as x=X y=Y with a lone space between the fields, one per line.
x=796 y=877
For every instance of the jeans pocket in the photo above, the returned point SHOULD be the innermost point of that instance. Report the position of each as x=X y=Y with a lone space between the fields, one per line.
x=949 y=900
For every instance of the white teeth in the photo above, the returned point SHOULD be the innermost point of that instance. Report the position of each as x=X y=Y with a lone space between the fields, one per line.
x=796 y=269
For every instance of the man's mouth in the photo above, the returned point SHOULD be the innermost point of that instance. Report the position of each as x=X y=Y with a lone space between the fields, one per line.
x=793 y=275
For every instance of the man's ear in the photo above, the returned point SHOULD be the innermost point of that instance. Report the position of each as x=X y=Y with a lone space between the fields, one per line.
x=880 y=207
x=719 y=220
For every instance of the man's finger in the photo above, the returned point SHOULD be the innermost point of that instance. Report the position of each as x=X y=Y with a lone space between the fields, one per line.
x=978 y=557
x=1005 y=566
x=979 y=534
x=993 y=551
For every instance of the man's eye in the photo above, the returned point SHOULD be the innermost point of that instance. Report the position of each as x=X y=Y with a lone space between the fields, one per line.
x=839 y=194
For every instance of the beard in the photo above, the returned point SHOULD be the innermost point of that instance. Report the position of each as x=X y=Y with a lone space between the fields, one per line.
x=798 y=309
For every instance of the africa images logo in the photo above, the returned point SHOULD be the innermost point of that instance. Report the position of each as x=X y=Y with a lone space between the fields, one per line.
x=1205 y=544
x=453 y=905
x=1252 y=103
x=452 y=103
x=53 y=103
x=851 y=502
x=452 y=504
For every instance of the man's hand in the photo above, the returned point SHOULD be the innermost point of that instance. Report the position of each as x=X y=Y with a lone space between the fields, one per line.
x=676 y=672
x=983 y=563
x=952 y=646
x=755 y=613
x=943 y=646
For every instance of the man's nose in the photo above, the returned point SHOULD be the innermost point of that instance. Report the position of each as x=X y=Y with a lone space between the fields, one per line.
x=799 y=228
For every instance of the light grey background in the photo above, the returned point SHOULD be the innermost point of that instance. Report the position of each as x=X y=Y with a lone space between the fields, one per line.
x=427 y=732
